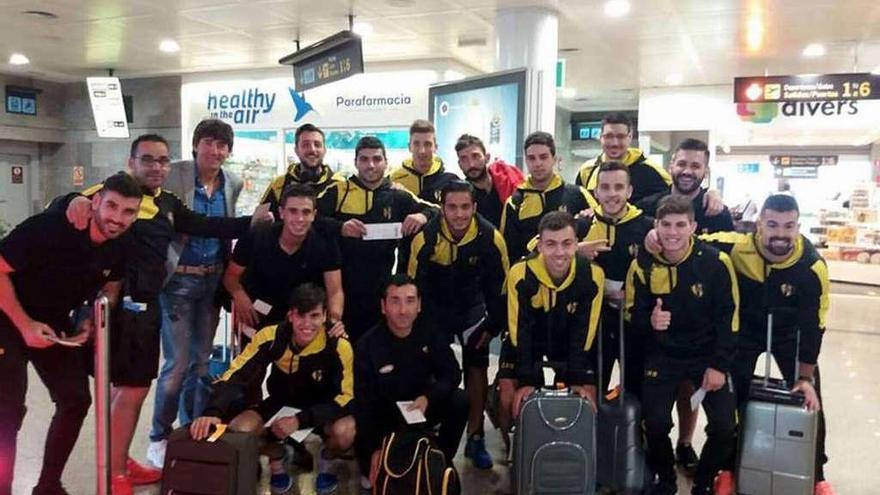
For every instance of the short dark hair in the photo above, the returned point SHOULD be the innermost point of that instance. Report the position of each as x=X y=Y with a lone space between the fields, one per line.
x=307 y=297
x=556 y=221
x=617 y=118
x=369 y=142
x=399 y=280
x=466 y=141
x=455 y=186
x=296 y=190
x=304 y=129
x=146 y=138
x=613 y=166
x=781 y=203
x=541 y=137
x=215 y=129
x=692 y=144
x=122 y=184
x=674 y=204
x=422 y=125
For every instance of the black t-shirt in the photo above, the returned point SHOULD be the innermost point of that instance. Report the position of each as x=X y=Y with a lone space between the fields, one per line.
x=271 y=275
x=57 y=267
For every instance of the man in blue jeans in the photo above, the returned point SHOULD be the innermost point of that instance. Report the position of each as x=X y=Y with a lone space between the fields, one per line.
x=190 y=312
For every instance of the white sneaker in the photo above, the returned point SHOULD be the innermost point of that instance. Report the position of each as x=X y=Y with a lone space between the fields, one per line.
x=156 y=453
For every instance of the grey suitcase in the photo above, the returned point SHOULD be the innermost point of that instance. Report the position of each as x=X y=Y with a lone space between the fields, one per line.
x=554 y=445
x=620 y=454
x=778 y=438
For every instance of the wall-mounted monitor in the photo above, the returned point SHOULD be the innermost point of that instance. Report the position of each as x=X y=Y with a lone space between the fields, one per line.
x=491 y=107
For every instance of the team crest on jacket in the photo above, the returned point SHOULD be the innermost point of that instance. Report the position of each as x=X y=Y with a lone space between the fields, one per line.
x=572 y=307
x=563 y=208
x=386 y=212
x=317 y=375
x=633 y=250
x=786 y=289
x=473 y=260
x=697 y=290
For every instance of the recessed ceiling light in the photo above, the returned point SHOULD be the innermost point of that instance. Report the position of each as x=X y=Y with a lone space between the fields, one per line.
x=169 y=46
x=568 y=93
x=814 y=50
x=674 y=79
x=617 y=8
x=18 y=59
x=363 y=28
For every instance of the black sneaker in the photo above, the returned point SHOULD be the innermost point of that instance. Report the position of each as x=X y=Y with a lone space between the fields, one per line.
x=686 y=457
x=49 y=490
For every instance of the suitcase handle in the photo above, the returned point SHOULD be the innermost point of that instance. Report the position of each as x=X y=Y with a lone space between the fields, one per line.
x=769 y=353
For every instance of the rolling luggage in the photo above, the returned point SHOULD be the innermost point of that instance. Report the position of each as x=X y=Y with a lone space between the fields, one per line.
x=227 y=466
x=778 y=437
x=620 y=454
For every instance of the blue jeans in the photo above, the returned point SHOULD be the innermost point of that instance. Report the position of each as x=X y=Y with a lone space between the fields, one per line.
x=189 y=321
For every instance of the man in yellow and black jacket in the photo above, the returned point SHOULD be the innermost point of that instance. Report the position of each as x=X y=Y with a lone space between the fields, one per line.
x=423 y=174
x=459 y=261
x=780 y=272
x=554 y=298
x=311 y=170
x=542 y=192
x=615 y=235
x=684 y=300
x=348 y=208
x=310 y=371
x=647 y=178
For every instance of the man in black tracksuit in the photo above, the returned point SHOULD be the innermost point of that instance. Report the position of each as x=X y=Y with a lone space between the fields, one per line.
x=684 y=301
x=616 y=233
x=404 y=359
x=311 y=170
x=349 y=208
x=459 y=261
x=780 y=272
x=311 y=371
x=423 y=174
x=542 y=192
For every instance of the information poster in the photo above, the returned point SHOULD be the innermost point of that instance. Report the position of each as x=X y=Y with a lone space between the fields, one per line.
x=108 y=109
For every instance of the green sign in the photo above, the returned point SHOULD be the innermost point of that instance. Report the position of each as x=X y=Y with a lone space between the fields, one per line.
x=560 y=72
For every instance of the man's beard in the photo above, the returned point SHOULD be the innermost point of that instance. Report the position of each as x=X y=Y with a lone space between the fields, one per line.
x=778 y=250
x=483 y=172
x=695 y=184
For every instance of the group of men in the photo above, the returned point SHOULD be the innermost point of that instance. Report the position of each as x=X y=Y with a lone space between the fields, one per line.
x=548 y=267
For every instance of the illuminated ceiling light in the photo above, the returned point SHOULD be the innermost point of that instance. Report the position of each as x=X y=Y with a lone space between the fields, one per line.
x=755 y=31
x=754 y=91
x=617 y=8
x=169 y=46
x=814 y=50
x=568 y=93
x=807 y=76
x=674 y=79
x=363 y=28
x=18 y=59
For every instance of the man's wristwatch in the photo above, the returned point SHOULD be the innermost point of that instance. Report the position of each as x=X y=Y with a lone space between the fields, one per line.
x=808 y=379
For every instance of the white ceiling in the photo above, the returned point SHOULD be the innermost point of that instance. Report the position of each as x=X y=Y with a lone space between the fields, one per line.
x=702 y=40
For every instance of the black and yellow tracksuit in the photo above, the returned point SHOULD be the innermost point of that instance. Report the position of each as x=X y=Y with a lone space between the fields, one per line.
x=366 y=263
x=646 y=178
x=426 y=186
x=317 y=379
x=796 y=291
x=625 y=237
x=297 y=174
x=462 y=281
x=706 y=224
x=524 y=209
x=556 y=320
x=700 y=292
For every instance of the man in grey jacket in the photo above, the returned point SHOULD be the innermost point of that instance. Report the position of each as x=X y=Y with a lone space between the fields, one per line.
x=190 y=313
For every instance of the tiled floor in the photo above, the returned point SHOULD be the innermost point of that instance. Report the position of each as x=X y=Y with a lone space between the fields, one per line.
x=850 y=367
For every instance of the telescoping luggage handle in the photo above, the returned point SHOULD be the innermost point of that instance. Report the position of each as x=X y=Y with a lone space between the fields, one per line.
x=620 y=358
x=769 y=353
x=101 y=321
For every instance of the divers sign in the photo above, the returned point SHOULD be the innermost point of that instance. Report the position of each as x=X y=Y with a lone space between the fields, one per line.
x=329 y=60
x=825 y=87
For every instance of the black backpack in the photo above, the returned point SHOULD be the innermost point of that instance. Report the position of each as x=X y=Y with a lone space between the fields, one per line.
x=412 y=464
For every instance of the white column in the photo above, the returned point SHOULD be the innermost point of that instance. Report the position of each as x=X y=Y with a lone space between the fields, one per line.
x=529 y=37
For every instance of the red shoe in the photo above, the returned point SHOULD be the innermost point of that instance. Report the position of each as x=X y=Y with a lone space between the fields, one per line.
x=824 y=488
x=724 y=483
x=120 y=485
x=138 y=474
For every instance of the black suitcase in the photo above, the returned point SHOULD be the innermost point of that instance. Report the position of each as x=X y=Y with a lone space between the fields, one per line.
x=620 y=454
x=227 y=466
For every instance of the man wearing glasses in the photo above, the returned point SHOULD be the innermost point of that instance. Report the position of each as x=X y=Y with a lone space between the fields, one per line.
x=135 y=339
